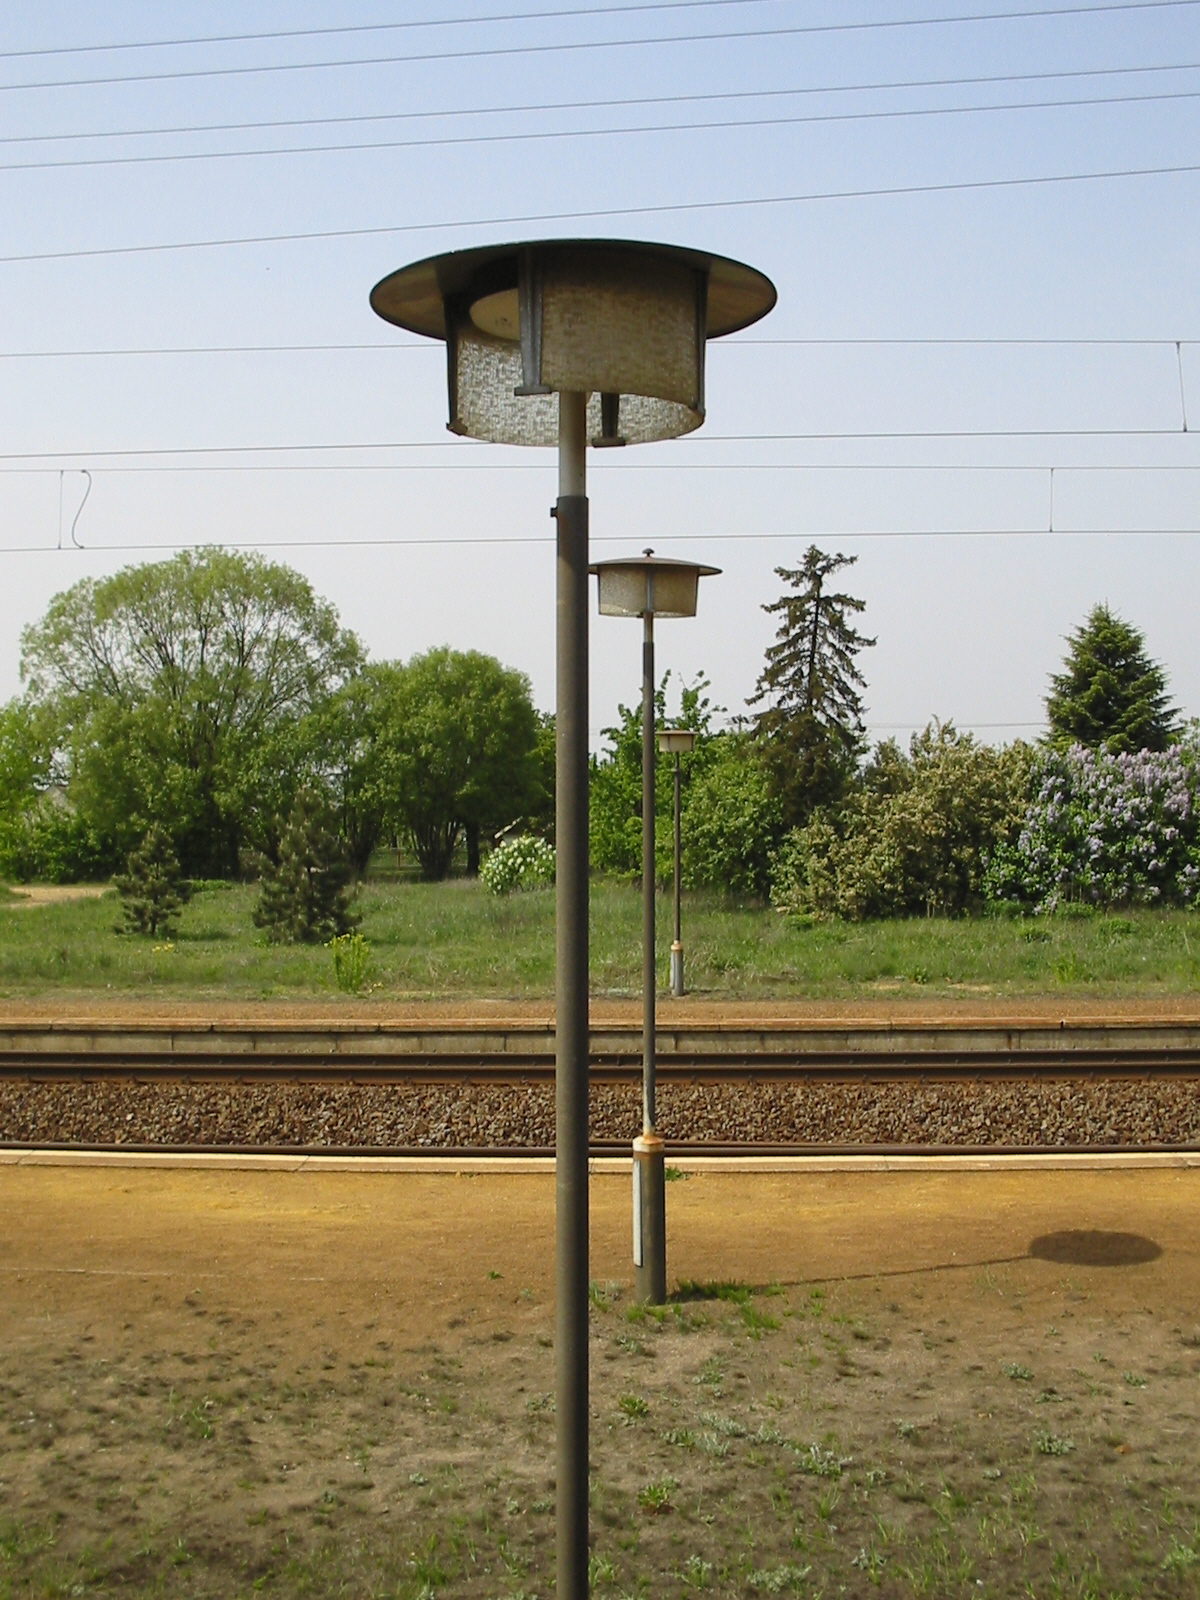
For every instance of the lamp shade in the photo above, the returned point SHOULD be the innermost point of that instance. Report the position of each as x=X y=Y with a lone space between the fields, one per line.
x=648 y=585
x=676 y=741
x=622 y=322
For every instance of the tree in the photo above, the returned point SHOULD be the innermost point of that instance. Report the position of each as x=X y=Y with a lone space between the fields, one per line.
x=1110 y=696
x=305 y=896
x=811 y=724
x=732 y=821
x=457 y=753
x=151 y=889
x=180 y=690
x=615 y=831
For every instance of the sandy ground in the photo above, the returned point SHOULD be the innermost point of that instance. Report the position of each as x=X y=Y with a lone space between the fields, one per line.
x=221 y=1383
x=48 y=894
x=1034 y=1010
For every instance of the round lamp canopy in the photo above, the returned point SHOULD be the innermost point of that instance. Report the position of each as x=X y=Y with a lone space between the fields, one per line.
x=648 y=585
x=676 y=741
x=623 y=323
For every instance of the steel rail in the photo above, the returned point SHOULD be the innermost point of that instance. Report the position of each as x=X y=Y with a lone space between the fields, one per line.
x=598 y=1149
x=705 y=1067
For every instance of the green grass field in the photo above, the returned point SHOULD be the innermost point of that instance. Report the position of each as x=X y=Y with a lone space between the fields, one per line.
x=454 y=939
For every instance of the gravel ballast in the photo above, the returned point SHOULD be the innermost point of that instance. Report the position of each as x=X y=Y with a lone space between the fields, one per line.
x=1047 y=1113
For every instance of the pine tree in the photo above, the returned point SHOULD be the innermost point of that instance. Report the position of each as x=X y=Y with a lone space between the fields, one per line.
x=306 y=897
x=151 y=888
x=1110 y=694
x=811 y=726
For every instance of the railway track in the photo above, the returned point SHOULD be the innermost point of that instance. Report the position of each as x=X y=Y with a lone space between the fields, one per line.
x=470 y=1089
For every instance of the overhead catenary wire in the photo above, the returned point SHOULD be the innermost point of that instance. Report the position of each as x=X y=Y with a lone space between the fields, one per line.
x=537 y=459
x=627 y=102
x=575 y=46
x=672 y=208
x=479 y=20
x=172 y=157
x=434 y=347
x=546 y=541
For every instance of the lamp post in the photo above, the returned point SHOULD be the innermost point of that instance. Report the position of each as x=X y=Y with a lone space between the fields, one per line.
x=647 y=587
x=553 y=343
x=677 y=742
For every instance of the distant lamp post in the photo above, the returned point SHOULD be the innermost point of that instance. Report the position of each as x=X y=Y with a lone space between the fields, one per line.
x=556 y=342
x=677 y=742
x=646 y=587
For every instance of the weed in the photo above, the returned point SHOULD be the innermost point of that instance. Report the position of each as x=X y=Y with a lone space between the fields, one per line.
x=351 y=962
x=1180 y=1556
x=656 y=1497
x=683 y=1437
x=696 y=1572
x=1015 y=1371
x=601 y=1570
x=603 y=1295
x=776 y=1580
x=633 y=1406
x=1134 y=1380
x=820 y=1463
x=675 y=1175
x=871 y=1562
x=907 y=1430
x=1053 y=1444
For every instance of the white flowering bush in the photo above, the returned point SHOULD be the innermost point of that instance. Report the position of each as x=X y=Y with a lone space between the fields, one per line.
x=1106 y=829
x=522 y=863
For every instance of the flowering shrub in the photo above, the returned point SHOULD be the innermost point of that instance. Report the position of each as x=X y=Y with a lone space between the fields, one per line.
x=1109 y=829
x=523 y=863
x=916 y=837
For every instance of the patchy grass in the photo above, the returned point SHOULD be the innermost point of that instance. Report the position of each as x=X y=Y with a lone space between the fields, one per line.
x=219 y=1466
x=433 y=940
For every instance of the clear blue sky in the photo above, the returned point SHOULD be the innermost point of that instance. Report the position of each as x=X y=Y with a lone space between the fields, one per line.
x=968 y=627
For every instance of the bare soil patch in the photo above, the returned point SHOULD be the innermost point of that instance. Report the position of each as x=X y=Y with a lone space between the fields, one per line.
x=21 y=896
x=221 y=1384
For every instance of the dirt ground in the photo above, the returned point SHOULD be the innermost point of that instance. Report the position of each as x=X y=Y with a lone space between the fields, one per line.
x=224 y=1383
x=882 y=1009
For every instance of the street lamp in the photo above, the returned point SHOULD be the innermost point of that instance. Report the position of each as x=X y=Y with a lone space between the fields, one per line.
x=677 y=742
x=556 y=342
x=647 y=587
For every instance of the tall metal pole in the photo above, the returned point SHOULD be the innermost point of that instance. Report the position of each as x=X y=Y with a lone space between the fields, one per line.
x=571 y=1005
x=649 y=1178
x=677 y=942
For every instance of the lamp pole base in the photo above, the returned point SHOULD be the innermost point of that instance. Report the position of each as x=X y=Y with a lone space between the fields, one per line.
x=677 y=970
x=649 y=1221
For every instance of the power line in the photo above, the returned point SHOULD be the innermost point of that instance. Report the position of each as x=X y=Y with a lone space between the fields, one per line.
x=888 y=85
x=546 y=541
x=1037 y=469
x=433 y=346
x=494 y=52
x=369 y=27
x=160 y=158
x=459 y=446
x=675 y=208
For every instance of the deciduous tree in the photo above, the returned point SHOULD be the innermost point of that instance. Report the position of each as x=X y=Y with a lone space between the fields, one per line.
x=179 y=688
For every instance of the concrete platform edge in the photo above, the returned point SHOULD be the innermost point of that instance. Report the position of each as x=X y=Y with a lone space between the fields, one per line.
x=517 y=1165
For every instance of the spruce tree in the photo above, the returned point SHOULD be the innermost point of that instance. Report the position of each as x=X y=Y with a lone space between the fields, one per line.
x=305 y=898
x=811 y=725
x=1110 y=695
x=151 y=888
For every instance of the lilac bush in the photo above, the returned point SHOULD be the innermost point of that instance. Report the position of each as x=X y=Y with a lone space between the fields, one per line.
x=1106 y=829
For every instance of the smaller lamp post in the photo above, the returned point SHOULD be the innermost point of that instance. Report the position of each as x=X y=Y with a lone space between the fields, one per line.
x=677 y=742
x=645 y=587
